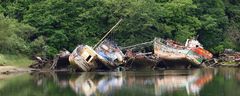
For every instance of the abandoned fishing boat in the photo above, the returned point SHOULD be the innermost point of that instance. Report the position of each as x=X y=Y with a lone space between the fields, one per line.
x=88 y=59
x=110 y=54
x=84 y=57
x=170 y=50
x=104 y=54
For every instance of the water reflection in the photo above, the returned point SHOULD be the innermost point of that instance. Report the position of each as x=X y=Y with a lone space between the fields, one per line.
x=191 y=83
x=154 y=83
x=208 y=82
x=93 y=83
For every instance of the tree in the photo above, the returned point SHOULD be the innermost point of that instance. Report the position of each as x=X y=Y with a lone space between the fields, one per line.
x=14 y=36
x=214 y=22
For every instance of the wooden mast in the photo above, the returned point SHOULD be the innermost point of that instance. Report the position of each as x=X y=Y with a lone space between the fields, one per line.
x=101 y=40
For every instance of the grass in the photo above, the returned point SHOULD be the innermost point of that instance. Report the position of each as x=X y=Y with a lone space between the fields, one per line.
x=15 y=60
x=230 y=63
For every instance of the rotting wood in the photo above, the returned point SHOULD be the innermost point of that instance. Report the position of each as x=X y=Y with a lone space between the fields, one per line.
x=61 y=60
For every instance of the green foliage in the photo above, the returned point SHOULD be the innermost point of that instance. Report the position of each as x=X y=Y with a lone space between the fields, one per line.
x=14 y=36
x=232 y=30
x=213 y=18
x=38 y=46
x=66 y=23
x=144 y=20
x=15 y=60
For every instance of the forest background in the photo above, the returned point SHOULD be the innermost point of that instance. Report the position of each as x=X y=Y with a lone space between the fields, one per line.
x=43 y=27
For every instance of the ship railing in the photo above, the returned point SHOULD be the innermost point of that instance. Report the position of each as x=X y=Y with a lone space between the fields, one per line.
x=168 y=44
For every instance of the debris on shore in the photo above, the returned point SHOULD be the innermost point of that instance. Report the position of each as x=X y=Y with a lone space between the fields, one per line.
x=159 y=54
x=60 y=61
x=229 y=58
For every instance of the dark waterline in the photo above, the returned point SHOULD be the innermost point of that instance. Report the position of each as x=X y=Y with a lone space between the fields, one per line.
x=198 y=82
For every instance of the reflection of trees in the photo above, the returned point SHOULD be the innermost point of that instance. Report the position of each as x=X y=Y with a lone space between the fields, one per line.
x=28 y=85
x=230 y=73
x=225 y=83
x=59 y=78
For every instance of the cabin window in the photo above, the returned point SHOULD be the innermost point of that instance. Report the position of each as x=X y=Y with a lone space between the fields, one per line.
x=88 y=58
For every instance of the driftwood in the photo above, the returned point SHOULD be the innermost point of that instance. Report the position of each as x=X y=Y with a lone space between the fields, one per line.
x=40 y=63
x=60 y=61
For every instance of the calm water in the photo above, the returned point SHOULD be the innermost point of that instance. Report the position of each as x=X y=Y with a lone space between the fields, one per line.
x=207 y=82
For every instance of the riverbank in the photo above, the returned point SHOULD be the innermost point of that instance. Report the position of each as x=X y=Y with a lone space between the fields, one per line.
x=15 y=60
x=12 y=69
x=12 y=65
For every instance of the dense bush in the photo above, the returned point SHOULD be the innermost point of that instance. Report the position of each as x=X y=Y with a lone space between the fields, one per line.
x=58 y=24
x=14 y=36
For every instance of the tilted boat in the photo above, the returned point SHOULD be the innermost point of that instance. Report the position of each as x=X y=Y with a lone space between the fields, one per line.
x=193 y=51
x=106 y=54
x=84 y=57
x=110 y=54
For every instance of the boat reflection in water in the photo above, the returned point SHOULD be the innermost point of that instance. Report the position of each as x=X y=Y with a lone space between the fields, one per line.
x=191 y=83
x=141 y=83
x=96 y=83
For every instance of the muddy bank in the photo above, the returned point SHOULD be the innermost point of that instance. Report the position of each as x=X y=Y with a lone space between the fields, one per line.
x=12 y=69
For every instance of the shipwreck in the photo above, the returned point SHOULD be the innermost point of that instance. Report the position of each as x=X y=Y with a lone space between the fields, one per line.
x=83 y=57
x=105 y=54
x=192 y=51
x=160 y=53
